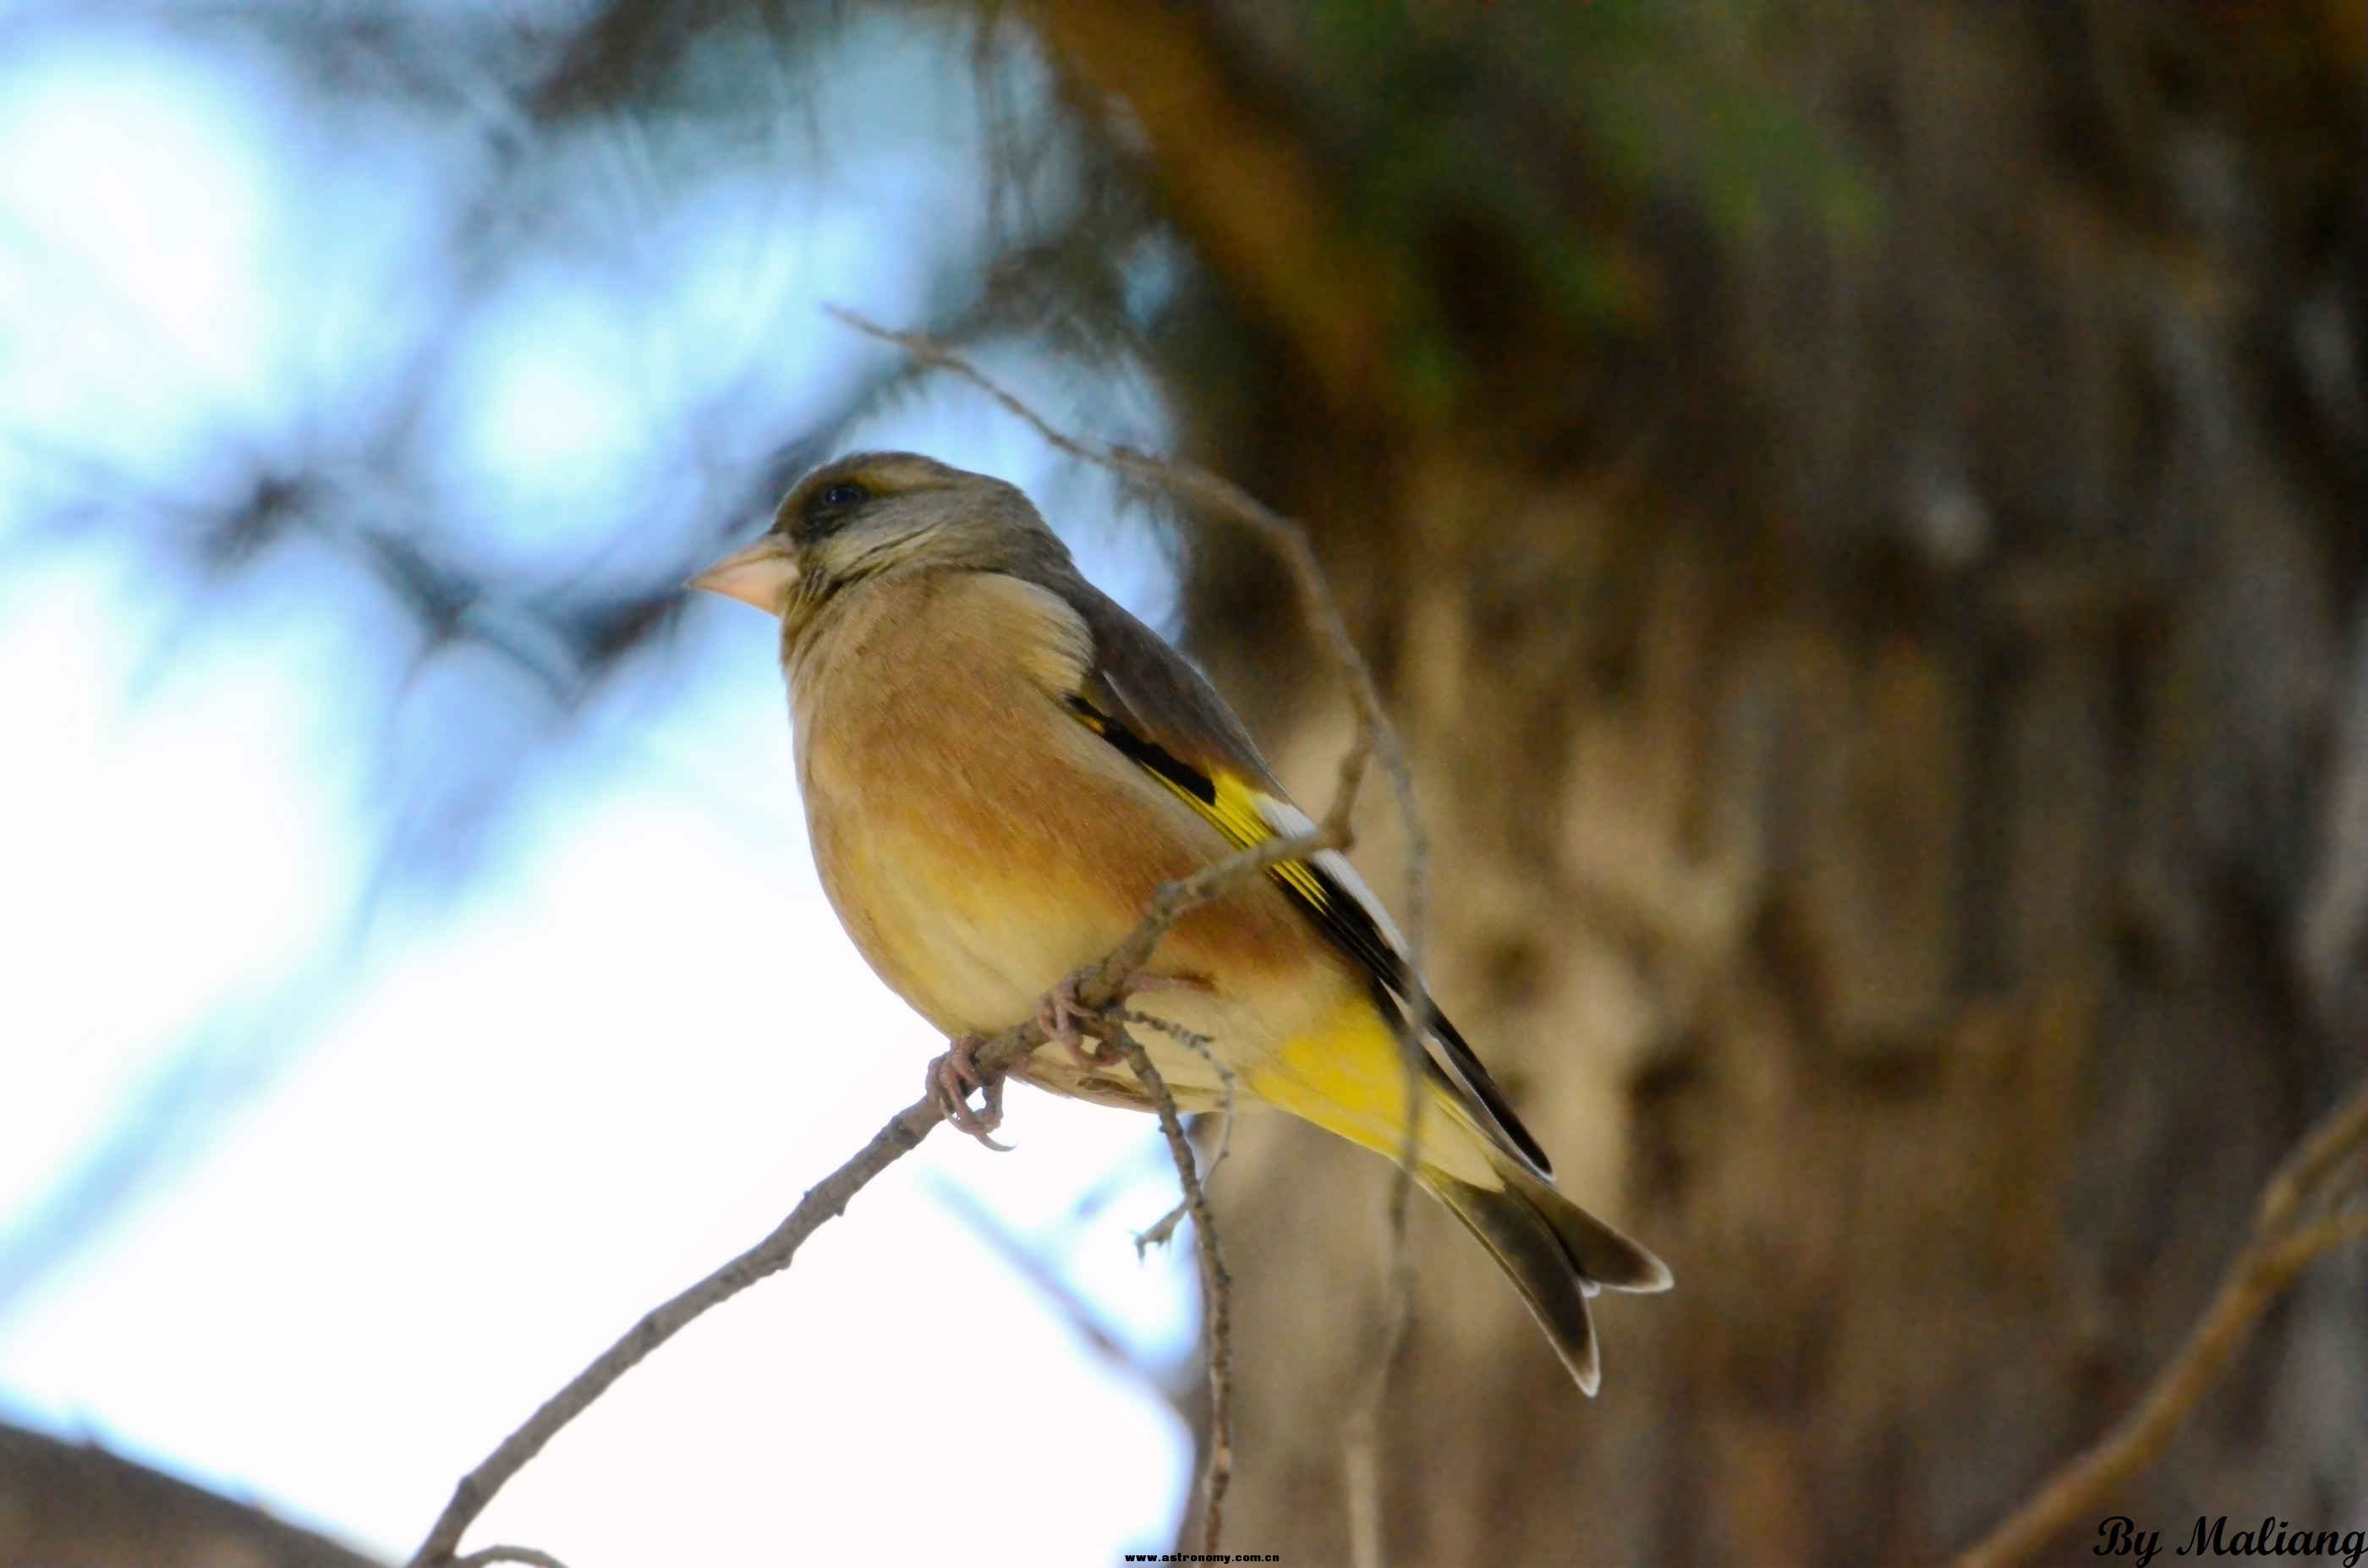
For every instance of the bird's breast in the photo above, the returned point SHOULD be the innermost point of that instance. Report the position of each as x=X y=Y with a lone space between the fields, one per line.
x=972 y=843
x=980 y=843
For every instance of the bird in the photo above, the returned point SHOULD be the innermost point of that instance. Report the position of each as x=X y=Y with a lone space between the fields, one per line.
x=1001 y=765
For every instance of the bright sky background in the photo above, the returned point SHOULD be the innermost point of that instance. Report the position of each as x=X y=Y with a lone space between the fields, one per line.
x=422 y=1165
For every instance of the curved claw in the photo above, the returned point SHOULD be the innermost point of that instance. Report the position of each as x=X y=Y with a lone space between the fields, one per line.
x=1065 y=1019
x=1064 y=1016
x=953 y=1077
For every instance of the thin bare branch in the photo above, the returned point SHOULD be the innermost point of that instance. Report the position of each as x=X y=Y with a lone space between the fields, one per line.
x=2314 y=1242
x=2301 y=1219
x=2302 y=1182
x=1361 y=1430
x=1216 y=1290
x=824 y=1201
x=1102 y=988
x=1163 y=1230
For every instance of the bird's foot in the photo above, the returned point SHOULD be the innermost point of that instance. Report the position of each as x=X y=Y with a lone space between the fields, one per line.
x=954 y=1076
x=1065 y=1019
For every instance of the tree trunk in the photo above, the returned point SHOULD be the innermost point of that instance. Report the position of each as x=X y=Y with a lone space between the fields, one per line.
x=75 y=1505
x=1879 y=708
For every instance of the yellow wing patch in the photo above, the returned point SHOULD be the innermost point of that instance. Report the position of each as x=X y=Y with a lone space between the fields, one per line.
x=1223 y=800
x=1234 y=812
x=1232 y=806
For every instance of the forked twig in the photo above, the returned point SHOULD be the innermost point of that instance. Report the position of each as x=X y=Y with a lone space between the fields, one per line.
x=2307 y=1210
x=1163 y=1230
x=826 y=1200
x=1216 y=1288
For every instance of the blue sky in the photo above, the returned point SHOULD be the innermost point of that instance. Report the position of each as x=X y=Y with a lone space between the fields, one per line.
x=316 y=1175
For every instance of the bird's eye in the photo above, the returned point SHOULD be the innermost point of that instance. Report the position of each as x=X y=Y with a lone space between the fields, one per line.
x=845 y=495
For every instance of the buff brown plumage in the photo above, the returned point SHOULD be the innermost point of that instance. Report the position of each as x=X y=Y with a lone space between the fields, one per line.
x=1000 y=766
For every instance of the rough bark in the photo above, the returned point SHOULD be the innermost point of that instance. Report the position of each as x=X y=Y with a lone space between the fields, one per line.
x=1881 y=705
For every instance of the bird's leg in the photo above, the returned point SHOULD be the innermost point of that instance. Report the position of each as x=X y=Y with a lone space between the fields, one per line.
x=952 y=1078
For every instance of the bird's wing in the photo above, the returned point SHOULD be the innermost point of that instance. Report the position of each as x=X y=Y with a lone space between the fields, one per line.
x=1142 y=697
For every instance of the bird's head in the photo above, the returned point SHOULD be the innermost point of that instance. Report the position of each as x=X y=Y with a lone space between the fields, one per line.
x=859 y=517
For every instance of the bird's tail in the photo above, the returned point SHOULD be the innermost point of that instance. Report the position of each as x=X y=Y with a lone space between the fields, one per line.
x=1350 y=1079
x=1556 y=1253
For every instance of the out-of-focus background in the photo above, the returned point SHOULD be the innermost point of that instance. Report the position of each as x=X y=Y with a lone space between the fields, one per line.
x=1862 y=511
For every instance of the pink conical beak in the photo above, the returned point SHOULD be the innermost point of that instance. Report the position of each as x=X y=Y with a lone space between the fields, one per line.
x=763 y=574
